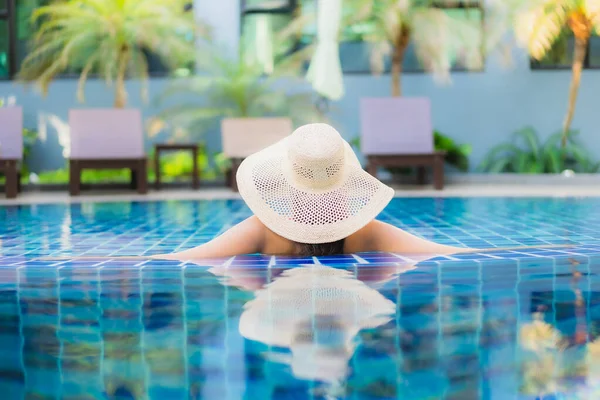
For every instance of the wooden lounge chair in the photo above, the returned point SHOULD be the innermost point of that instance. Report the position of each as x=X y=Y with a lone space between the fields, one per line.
x=397 y=132
x=11 y=148
x=245 y=136
x=107 y=139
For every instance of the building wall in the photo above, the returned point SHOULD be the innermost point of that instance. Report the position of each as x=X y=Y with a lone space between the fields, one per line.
x=481 y=108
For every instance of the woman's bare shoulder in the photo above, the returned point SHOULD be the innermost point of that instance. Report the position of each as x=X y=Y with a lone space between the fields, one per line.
x=362 y=240
x=381 y=236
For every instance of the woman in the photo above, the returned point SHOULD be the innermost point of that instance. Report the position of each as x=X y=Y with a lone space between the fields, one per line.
x=311 y=197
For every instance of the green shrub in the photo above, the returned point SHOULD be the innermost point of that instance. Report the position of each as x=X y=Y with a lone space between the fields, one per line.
x=457 y=155
x=30 y=137
x=526 y=154
x=175 y=166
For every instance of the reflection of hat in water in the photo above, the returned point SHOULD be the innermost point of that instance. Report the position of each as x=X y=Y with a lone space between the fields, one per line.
x=321 y=349
x=310 y=187
x=315 y=312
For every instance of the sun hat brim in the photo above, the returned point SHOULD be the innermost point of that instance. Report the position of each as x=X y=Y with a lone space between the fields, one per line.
x=306 y=215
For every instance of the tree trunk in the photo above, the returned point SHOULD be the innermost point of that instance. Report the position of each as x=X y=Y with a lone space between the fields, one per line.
x=398 y=59
x=582 y=30
x=120 y=92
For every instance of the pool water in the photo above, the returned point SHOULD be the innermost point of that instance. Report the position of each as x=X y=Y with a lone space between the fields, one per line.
x=499 y=325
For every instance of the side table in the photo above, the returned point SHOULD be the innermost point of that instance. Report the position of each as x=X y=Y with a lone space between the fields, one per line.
x=164 y=147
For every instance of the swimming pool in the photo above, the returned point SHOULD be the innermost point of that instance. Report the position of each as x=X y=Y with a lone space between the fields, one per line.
x=498 y=325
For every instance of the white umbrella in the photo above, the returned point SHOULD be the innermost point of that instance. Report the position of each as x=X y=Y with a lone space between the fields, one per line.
x=325 y=71
x=259 y=37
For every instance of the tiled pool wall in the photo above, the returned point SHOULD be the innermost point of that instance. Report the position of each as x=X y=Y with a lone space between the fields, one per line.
x=166 y=331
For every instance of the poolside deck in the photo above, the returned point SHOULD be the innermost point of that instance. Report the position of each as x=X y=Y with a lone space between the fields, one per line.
x=492 y=189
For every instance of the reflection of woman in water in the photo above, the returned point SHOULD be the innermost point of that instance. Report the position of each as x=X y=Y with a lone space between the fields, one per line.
x=315 y=312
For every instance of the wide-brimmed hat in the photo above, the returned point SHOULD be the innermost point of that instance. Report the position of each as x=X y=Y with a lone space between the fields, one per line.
x=310 y=187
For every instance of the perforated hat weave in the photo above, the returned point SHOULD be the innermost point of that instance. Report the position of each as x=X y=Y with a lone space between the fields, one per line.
x=310 y=187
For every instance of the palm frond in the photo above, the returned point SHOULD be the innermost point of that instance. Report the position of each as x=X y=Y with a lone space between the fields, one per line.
x=194 y=118
x=83 y=78
x=441 y=39
x=70 y=34
x=445 y=38
x=196 y=84
x=380 y=51
x=356 y=11
x=592 y=11
x=539 y=23
x=234 y=88
x=139 y=65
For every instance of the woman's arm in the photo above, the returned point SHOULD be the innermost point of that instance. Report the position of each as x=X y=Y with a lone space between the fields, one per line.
x=380 y=236
x=247 y=237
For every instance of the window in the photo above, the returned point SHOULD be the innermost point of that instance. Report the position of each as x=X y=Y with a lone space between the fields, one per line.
x=6 y=44
x=560 y=56
x=156 y=67
x=262 y=18
x=15 y=31
x=4 y=50
x=355 y=52
x=24 y=27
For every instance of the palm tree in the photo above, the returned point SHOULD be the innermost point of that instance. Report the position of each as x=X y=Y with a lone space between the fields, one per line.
x=110 y=37
x=440 y=38
x=539 y=24
x=236 y=87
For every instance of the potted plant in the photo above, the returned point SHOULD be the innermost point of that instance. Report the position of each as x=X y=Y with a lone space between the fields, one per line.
x=113 y=39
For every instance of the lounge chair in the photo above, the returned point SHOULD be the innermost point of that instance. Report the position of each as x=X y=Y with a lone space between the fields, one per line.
x=245 y=136
x=397 y=132
x=11 y=148
x=107 y=139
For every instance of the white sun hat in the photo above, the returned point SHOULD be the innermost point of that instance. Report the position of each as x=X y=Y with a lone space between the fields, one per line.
x=310 y=187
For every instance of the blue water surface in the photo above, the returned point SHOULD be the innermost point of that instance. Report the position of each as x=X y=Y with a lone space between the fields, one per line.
x=505 y=324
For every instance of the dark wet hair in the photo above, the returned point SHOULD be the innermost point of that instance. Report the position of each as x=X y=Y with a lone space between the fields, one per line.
x=323 y=329
x=321 y=249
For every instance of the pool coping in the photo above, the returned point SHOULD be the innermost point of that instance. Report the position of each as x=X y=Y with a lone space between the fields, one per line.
x=491 y=189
